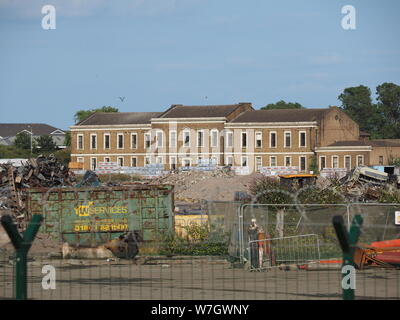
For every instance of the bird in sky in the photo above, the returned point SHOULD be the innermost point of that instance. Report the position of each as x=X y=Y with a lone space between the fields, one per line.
x=121 y=98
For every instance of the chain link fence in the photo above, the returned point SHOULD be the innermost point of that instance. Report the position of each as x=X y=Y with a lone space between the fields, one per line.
x=298 y=258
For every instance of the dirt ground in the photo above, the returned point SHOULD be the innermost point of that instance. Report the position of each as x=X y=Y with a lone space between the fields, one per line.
x=192 y=278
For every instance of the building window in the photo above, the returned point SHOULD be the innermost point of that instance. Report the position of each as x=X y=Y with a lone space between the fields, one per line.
x=159 y=139
x=93 y=164
x=172 y=163
x=335 y=162
x=186 y=138
x=106 y=141
x=147 y=160
x=347 y=162
x=120 y=161
x=172 y=139
x=244 y=162
x=147 y=140
x=258 y=139
x=302 y=139
x=120 y=141
x=360 y=160
x=133 y=162
x=229 y=139
x=186 y=162
x=134 y=141
x=288 y=139
x=159 y=160
x=272 y=139
x=93 y=141
x=303 y=163
x=80 y=141
x=272 y=161
x=322 y=162
x=80 y=159
x=214 y=138
x=244 y=139
x=200 y=138
x=258 y=164
x=381 y=160
x=214 y=160
x=288 y=161
x=106 y=159
x=229 y=161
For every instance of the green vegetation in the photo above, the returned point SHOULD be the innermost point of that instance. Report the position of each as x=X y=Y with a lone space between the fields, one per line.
x=12 y=152
x=23 y=141
x=199 y=240
x=380 y=119
x=283 y=105
x=45 y=143
x=83 y=114
x=313 y=165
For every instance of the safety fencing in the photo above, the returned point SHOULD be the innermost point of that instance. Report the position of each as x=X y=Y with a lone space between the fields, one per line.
x=296 y=257
x=273 y=252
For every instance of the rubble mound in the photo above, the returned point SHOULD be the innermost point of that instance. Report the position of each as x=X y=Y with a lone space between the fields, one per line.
x=42 y=172
x=217 y=185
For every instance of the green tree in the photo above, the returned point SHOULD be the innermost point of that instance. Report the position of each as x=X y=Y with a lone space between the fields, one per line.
x=357 y=103
x=67 y=140
x=83 y=114
x=313 y=165
x=388 y=97
x=23 y=141
x=46 y=143
x=283 y=105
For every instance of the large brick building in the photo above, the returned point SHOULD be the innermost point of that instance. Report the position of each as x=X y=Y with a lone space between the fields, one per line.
x=229 y=134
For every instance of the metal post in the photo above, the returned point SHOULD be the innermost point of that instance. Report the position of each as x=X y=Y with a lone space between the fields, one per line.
x=21 y=246
x=31 y=137
x=348 y=243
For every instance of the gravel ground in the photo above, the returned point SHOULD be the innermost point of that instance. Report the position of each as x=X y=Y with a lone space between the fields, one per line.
x=192 y=279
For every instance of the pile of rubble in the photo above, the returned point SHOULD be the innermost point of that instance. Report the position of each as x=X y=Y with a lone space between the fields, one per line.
x=364 y=184
x=43 y=172
x=194 y=186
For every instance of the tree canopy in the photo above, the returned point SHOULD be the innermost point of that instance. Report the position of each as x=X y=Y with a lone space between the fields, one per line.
x=46 y=143
x=83 y=114
x=23 y=141
x=381 y=119
x=283 y=105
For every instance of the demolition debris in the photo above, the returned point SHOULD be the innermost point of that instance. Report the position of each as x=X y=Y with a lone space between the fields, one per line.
x=43 y=172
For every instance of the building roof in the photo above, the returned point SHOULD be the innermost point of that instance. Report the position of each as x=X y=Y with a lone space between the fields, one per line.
x=351 y=143
x=112 y=118
x=372 y=143
x=281 y=115
x=38 y=129
x=210 y=111
x=386 y=142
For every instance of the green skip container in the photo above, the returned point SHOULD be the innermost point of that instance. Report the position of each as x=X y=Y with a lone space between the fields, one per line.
x=92 y=216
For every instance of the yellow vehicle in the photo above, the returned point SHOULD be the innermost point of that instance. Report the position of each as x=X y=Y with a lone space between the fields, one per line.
x=297 y=181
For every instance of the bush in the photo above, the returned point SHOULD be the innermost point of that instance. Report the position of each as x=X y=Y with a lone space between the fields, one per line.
x=268 y=190
x=199 y=240
x=12 y=152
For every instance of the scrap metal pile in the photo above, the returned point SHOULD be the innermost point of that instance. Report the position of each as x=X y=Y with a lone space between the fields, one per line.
x=365 y=184
x=43 y=171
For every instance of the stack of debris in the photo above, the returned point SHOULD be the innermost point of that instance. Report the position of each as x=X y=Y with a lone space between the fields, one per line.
x=194 y=186
x=43 y=172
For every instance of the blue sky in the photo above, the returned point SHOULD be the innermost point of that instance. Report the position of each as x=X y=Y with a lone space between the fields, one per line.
x=162 y=52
